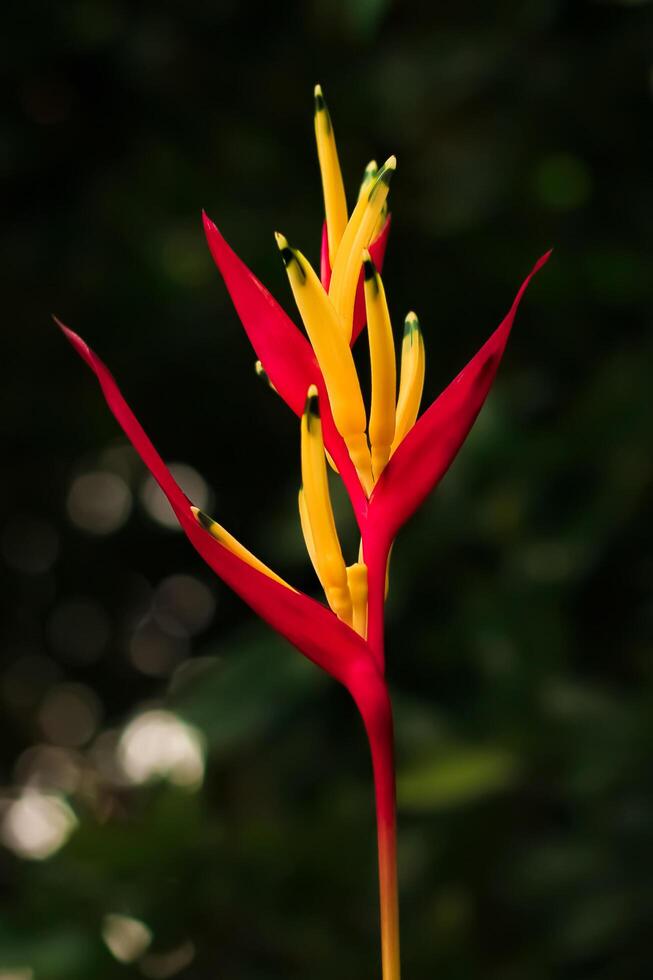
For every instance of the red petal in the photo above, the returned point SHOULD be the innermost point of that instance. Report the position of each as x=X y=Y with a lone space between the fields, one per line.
x=284 y=351
x=377 y=251
x=428 y=450
x=308 y=625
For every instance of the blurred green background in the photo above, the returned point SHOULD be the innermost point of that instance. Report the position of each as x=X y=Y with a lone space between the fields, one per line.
x=520 y=613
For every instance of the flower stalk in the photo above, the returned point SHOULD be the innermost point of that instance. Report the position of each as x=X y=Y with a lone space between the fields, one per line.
x=388 y=466
x=373 y=702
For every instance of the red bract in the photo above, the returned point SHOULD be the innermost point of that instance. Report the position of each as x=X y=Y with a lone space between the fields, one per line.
x=282 y=348
x=430 y=447
x=301 y=620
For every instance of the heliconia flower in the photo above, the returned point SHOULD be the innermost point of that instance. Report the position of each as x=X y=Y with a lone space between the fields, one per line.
x=389 y=459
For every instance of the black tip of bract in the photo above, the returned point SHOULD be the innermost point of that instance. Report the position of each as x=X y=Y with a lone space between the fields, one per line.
x=313 y=407
x=368 y=269
x=286 y=256
x=320 y=104
x=204 y=520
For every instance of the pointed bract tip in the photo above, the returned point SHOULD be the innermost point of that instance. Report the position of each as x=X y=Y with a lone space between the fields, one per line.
x=542 y=261
x=281 y=240
x=312 y=402
x=371 y=169
x=64 y=329
x=411 y=324
x=202 y=519
x=385 y=173
x=209 y=224
x=73 y=338
x=318 y=95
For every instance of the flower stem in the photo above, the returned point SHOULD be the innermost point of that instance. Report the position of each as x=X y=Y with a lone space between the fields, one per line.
x=373 y=702
x=386 y=818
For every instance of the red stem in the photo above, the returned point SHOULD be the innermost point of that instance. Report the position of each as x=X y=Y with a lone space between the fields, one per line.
x=370 y=693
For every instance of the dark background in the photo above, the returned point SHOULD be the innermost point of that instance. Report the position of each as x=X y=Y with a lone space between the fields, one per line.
x=520 y=611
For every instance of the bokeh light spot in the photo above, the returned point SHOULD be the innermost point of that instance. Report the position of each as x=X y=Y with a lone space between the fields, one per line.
x=183 y=606
x=48 y=767
x=156 y=653
x=99 y=502
x=164 y=965
x=70 y=714
x=37 y=825
x=126 y=938
x=158 y=744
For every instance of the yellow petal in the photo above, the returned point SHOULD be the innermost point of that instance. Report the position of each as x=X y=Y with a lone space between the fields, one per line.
x=334 y=357
x=322 y=537
x=356 y=237
x=383 y=367
x=307 y=531
x=411 y=383
x=234 y=546
x=333 y=188
x=357 y=579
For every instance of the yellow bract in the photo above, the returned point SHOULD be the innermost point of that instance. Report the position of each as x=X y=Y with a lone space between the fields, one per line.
x=411 y=383
x=328 y=318
x=383 y=368
x=357 y=580
x=335 y=201
x=234 y=546
x=334 y=357
x=358 y=235
x=369 y=174
x=315 y=502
